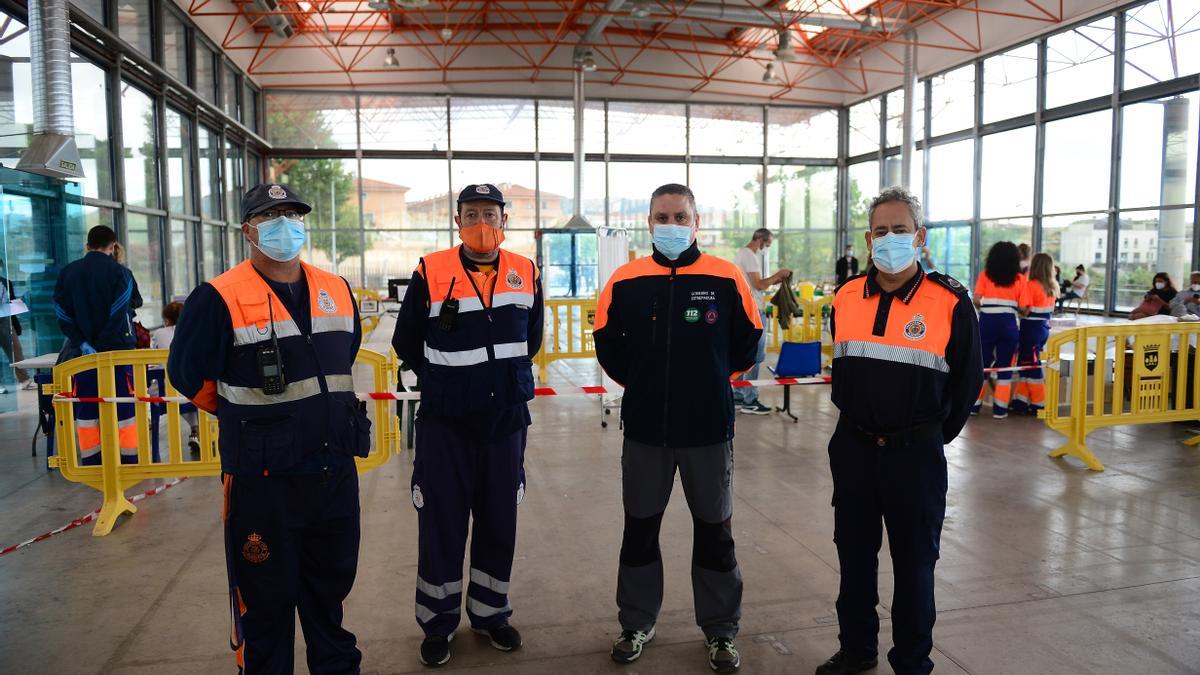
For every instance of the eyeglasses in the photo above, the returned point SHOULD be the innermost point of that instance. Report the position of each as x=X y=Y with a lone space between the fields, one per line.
x=272 y=215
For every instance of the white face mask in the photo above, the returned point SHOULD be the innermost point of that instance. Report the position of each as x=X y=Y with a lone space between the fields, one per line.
x=1196 y=288
x=1159 y=285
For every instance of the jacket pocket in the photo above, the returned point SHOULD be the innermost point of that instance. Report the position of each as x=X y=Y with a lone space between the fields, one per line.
x=358 y=440
x=268 y=444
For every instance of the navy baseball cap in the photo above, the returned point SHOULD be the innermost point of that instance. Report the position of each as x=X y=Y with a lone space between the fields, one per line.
x=266 y=196
x=482 y=192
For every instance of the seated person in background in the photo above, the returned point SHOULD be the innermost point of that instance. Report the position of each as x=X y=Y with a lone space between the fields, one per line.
x=1157 y=300
x=1187 y=301
x=1078 y=285
x=161 y=338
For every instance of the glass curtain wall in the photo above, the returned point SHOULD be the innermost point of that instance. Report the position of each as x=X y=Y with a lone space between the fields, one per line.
x=156 y=159
x=1106 y=179
x=749 y=166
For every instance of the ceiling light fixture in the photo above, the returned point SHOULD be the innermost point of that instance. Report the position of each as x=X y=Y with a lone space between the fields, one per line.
x=390 y=60
x=769 y=75
x=447 y=33
x=640 y=10
x=379 y=4
x=585 y=61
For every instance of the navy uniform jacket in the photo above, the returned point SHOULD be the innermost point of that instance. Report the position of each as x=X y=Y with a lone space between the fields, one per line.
x=94 y=300
x=409 y=343
x=204 y=339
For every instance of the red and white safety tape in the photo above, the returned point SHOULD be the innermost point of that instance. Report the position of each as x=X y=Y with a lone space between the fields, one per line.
x=588 y=390
x=591 y=390
x=85 y=519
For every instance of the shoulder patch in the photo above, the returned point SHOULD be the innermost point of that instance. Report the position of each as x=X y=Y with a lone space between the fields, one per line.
x=948 y=282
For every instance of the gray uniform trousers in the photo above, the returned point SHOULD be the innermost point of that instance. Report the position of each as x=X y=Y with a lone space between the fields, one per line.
x=648 y=474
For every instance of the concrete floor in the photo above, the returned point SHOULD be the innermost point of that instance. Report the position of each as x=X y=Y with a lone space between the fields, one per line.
x=1046 y=567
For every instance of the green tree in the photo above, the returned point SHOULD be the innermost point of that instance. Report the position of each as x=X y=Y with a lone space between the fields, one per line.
x=324 y=183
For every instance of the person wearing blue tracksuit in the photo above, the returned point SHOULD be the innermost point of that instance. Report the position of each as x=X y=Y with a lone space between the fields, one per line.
x=94 y=299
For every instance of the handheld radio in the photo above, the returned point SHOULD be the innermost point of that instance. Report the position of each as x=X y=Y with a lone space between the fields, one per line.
x=270 y=366
x=449 y=309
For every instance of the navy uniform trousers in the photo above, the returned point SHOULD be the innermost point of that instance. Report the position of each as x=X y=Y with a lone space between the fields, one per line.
x=901 y=486
x=456 y=477
x=291 y=543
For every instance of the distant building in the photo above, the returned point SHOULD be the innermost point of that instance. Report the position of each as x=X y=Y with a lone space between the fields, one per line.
x=521 y=207
x=384 y=204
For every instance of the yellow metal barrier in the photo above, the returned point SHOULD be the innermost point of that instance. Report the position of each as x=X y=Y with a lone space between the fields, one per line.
x=1139 y=374
x=112 y=478
x=569 y=325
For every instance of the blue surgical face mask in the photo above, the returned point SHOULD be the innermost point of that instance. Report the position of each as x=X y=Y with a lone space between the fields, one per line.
x=672 y=240
x=281 y=239
x=894 y=252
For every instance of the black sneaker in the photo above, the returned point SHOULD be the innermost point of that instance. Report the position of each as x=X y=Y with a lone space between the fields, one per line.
x=435 y=650
x=723 y=657
x=505 y=638
x=756 y=408
x=843 y=663
x=628 y=647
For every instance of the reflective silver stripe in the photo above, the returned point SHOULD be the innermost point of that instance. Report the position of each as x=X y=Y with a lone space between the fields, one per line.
x=1042 y=310
x=440 y=592
x=121 y=424
x=467 y=357
x=248 y=335
x=896 y=354
x=481 y=610
x=511 y=350
x=294 y=391
x=425 y=615
x=86 y=423
x=1034 y=317
x=997 y=302
x=468 y=304
x=520 y=299
x=89 y=451
x=329 y=324
x=488 y=581
x=339 y=382
x=986 y=309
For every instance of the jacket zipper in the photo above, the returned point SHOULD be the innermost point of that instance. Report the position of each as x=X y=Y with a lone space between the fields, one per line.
x=667 y=372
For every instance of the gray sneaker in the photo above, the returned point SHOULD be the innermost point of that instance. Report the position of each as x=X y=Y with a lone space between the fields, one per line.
x=756 y=408
x=723 y=657
x=628 y=647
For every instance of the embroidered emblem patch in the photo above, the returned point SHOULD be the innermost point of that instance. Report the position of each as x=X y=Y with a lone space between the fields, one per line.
x=276 y=192
x=255 y=549
x=520 y=493
x=691 y=315
x=417 y=497
x=483 y=189
x=915 y=329
x=325 y=302
x=514 y=280
x=710 y=317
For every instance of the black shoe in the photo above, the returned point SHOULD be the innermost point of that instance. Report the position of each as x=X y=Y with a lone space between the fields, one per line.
x=505 y=638
x=628 y=647
x=755 y=408
x=723 y=657
x=842 y=663
x=435 y=650
x=194 y=447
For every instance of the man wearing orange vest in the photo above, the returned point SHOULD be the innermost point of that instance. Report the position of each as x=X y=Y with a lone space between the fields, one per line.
x=906 y=368
x=268 y=348
x=470 y=323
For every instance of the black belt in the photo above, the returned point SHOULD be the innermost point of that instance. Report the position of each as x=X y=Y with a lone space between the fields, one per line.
x=901 y=438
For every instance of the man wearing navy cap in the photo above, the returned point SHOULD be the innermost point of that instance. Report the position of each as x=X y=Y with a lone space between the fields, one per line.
x=268 y=348
x=470 y=323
